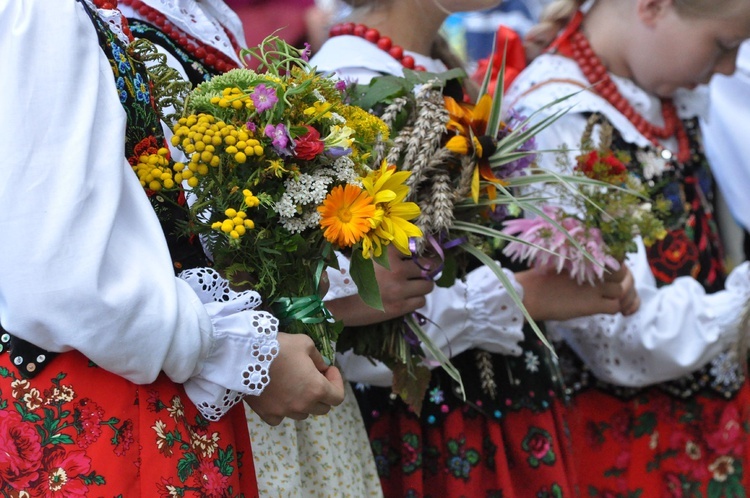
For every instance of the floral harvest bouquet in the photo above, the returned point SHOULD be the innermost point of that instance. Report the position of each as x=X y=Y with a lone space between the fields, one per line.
x=610 y=208
x=279 y=178
x=465 y=164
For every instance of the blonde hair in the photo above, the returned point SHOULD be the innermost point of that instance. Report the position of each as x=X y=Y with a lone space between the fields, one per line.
x=555 y=17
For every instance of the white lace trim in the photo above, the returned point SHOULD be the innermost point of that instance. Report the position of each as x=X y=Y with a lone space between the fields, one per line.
x=204 y=20
x=244 y=346
x=616 y=351
x=113 y=17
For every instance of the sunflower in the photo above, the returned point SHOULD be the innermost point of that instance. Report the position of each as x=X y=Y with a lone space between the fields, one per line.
x=347 y=214
x=469 y=123
x=386 y=187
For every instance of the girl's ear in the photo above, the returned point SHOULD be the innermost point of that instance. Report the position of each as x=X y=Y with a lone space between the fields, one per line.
x=650 y=11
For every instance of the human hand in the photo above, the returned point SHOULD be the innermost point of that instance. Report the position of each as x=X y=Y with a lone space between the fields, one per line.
x=553 y=296
x=402 y=289
x=622 y=284
x=301 y=383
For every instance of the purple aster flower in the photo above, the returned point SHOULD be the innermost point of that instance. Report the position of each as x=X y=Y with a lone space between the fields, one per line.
x=251 y=126
x=341 y=85
x=520 y=166
x=338 y=152
x=279 y=137
x=305 y=53
x=263 y=97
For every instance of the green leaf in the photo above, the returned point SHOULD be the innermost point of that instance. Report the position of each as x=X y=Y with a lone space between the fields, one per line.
x=422 y=77
x=60 y=439
x=379 y=90
x=363 y=274
x=225 y=460
x=435 y=352
x=382 y=260
x=186 y=465
x=411 y=386
x=645 y=425
x=92 y=478
x=450 y=272
x=493 y=125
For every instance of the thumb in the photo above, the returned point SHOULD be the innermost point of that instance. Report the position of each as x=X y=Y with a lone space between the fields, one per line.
x=336 y=383
x=318 y=360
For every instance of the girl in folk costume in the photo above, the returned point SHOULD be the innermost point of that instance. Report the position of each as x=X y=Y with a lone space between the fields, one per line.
x=117 y=378
x=506 y=439
x=661 y=400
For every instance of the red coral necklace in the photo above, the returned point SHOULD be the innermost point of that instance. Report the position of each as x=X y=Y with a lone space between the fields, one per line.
x=573 y=43
x=373 y=36
x=206 y=54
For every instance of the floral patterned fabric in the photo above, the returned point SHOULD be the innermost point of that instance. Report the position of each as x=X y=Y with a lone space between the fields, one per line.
x=684 y=438
x=78 y=430
x=320 y=457
x=507 y=440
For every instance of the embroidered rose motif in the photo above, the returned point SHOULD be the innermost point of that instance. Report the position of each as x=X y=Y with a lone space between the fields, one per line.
x=411 y=454
x=674 y=256
x=538 y=443
x=20 y=451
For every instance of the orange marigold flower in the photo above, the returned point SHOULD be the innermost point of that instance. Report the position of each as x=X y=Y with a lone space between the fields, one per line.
x=347 y=213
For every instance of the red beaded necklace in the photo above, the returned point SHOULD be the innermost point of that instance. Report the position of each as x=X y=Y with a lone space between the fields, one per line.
x=596 y=73
x=372 y=35
x=207 y=54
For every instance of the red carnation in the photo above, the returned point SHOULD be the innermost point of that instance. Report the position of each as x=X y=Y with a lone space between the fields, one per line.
x=308 y=146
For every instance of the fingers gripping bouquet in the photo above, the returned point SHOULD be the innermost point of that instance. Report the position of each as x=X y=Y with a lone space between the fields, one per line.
x=278 y=175
x=604 y=214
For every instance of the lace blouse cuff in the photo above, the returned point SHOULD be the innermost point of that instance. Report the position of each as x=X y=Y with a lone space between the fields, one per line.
x=244 y=345
x=341 y=281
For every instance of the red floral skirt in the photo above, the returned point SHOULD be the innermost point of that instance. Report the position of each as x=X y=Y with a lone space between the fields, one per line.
x=658 y=446
x=77 y=430
x=523 y=454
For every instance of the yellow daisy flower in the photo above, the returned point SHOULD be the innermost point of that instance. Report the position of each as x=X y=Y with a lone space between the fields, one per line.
x=386 y=186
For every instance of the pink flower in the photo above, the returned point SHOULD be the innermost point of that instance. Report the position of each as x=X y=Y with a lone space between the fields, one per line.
x=89 y=416
x=213 y=483
x=124 y=438
x=308 y=146
x=673 y=485
x=20 y=451
x=264 y=97
x=539 y=446
x=691 y=456
x=727 y=439
x=545 y=246
x=60 y=473
x=279 y=137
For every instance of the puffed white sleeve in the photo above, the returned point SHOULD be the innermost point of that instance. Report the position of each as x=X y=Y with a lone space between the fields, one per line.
x=84 y=262
x=477 y=312
x=678 y=329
